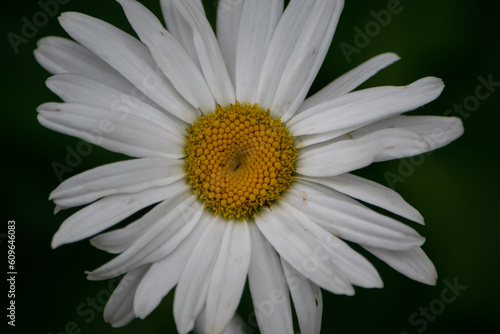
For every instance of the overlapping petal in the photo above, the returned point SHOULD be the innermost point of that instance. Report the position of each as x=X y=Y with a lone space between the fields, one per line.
x=170 y=57
x=413 y=263
x=350 y=112
x=256 y=28
x=209 y=55
x=228 y=277
x=117 y=178
x=72 y=88
x=332 y=159
x=350 y=80
x=192 y=290
x=119 y=240
x=348 y=219
x=119 y=309
x=60 y=55
x=307 y=299
x=268 y=287
x=164 y=236
x=179 y=28
x=164 y=274
x=129 y=57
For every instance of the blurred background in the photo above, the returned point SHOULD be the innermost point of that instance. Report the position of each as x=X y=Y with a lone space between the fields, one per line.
x=456 y=188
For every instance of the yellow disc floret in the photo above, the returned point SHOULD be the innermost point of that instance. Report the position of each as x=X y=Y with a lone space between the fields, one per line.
x=239 y=159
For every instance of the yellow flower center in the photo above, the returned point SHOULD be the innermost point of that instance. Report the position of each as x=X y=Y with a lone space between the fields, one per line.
x=239 y=159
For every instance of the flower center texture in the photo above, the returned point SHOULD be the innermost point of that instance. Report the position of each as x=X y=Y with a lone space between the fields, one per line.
x=239 y=159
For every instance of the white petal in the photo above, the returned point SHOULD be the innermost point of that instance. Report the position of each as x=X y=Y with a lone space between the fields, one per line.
x=129 y=57
x=119 y=309
x=120 y=177
x=60 y=55
x=413 y=263
x=191 y=292
x=235 y=326
x=307 y=300
x=348 y=262
x=281 y=47
x=105 y=213
x=179 y=28
x=301 y=247
x=268 y=287
x=170 y=56
x=117 y=132
x=348 y=219
x=351 y=80
x=165 y=274
x=74 y=88
x=228 y=24
x=357 y=109
x=257 y=25
x=229 y=276
x=117 y=241
x=307 y=56
x=434 y=130
x=347 y=155
x=171 y=228
x=208 y=51
x=370 y=192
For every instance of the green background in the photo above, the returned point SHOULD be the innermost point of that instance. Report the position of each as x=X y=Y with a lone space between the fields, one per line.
x=455 y=188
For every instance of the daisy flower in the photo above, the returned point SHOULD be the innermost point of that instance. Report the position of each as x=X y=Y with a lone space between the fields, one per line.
x=243 y=175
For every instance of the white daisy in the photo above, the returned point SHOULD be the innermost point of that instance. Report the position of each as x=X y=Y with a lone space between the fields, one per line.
x=236 y=195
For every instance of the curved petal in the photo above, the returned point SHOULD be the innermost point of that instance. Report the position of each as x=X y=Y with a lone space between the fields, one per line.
x=353 y=266
x=170 y=56
x=120 y=177
x=165 y=274
x=350 y=81
x=343 y=156
x=170 y=229
x=302 y=247
x=129 y=57
x=413 y=263
x=209 y=54
x=268 y=287
x=307 y=57
x=60 y=55
x=369 y=192
x=119 y=240
x=235 y=325
x=73 y=88
x=295 y=54
x=348 y=219
x=257 y=25
x=105 y=213
x=307 y=300
x=119 y=309
x=117 y=132
x=436 y=131
x=228 y=277
x=228 y=25
x=352 y=111
x=179 y=28
x=191 y=292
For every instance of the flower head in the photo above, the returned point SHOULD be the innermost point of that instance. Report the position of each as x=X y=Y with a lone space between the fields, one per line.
x=246 y=177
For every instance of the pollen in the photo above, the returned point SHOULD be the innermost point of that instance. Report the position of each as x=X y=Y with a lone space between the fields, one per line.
x=239 y=159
